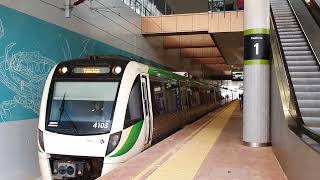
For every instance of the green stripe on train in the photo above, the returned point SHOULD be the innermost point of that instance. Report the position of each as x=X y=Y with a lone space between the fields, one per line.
x=166 y=74
x=132 y=139
x=173 y=76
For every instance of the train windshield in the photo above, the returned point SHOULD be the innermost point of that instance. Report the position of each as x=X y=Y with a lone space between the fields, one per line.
x=82 y=108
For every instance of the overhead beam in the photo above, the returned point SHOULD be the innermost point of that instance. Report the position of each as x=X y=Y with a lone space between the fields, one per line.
x=217 y=65
x=217 y=60
x=220 y=69
x=219 y=74
x=223 y=67
x=212 y=22
x=208 y=52
x=188 y=41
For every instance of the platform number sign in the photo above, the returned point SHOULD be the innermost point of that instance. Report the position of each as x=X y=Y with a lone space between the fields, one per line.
x=256 y=47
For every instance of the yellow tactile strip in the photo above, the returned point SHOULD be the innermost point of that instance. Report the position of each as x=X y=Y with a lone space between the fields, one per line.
x=164 y=157
x=185 y=163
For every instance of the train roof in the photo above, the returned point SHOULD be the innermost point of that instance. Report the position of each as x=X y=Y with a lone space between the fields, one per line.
x=113 y=59
x=170 y=75
x=98 y=60
x=165 y=74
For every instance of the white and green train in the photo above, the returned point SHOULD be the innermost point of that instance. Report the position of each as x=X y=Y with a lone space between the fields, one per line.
x=97 y=113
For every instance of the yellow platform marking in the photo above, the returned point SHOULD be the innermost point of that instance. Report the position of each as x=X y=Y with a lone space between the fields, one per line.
x=186 y=162
x=171 y=151
x=174 y=149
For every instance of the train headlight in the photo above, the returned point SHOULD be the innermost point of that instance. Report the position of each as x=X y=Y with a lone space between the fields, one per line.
x=40 y=139
x=116 y=70
x=113 y=142
x=63 y=70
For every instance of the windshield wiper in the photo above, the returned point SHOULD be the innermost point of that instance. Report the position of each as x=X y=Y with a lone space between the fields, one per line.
x=61 y=109
x=63 y=113
x=74 y=127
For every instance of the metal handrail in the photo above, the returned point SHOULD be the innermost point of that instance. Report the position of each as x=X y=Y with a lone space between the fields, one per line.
x=304 y=33
x=293 y=98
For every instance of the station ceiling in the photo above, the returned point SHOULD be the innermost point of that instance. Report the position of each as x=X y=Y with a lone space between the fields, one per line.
x=213 y=41
x=231 y=47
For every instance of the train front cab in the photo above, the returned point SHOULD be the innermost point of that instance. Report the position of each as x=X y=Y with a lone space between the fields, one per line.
x=78 y=147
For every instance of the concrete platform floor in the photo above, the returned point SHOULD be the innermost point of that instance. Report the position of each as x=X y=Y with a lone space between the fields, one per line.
x=210 y=148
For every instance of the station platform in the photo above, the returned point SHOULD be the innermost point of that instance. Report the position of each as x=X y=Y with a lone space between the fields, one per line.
x=210 y=148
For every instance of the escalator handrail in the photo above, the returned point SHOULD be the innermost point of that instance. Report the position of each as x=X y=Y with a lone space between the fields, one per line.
x=304 y=33
x=292 y=93
x=311 y=134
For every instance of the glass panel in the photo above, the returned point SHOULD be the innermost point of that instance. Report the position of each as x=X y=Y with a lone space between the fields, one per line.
x=159 y=103
x=127 y=2
x=225 y=5
x=148 y=7
x=184 y=94
x=133 y=4
x=160 y=5
x=173 y=97
x=78 y=106
x=168 y=10
x=195 y=97
x=134 y=109
x=138 y=7
x=87 y=91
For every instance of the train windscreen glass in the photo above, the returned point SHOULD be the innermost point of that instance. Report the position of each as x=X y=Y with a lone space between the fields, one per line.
x=82 y=108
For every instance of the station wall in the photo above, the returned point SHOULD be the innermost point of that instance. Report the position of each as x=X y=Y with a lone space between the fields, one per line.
x=297 y=159
x=34 y=36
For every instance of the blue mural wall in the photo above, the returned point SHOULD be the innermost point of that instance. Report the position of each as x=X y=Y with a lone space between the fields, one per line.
x=29 y=48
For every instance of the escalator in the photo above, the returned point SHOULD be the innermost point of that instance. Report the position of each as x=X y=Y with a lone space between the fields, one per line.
x=302 y=67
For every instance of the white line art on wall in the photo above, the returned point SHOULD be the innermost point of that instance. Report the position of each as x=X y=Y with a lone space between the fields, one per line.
x=85 y=48
x=1 y=29
x=23 y=73
x=67 y=53
x=66 y=50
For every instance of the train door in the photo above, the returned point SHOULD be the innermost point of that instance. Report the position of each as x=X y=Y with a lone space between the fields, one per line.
x=147 y=108
x=184 y=101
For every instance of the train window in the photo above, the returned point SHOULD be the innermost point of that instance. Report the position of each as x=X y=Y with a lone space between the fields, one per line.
x=184 y=98
x=134 y=110
x=203 y=96
x=212 y=95
x=76 y=107
x=173 y=96
x=190 y=99
x=158 y=94
x=166 y=97
x=195 y=97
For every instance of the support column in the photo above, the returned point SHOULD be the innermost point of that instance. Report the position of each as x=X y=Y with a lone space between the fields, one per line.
x=256 y=112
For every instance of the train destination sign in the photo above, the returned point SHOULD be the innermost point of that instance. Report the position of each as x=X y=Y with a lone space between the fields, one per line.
x=91 y=70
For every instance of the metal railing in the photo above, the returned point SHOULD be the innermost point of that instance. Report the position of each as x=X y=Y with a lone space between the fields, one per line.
x=225 y=5
x=314 y=9
x=149 y=7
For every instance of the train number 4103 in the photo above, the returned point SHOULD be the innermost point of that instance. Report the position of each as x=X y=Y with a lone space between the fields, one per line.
x=99 y=125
